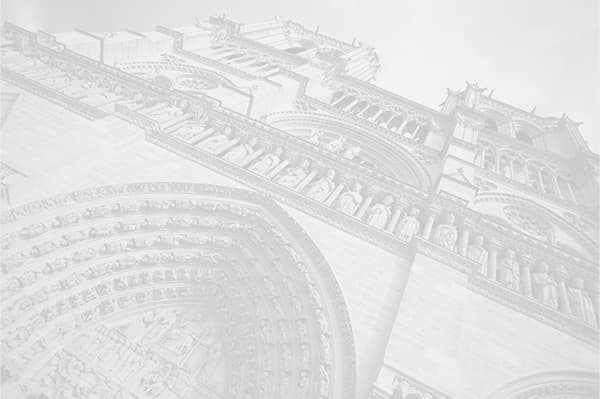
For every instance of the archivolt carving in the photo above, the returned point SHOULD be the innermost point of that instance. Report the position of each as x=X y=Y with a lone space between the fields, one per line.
x=169 y=289
x=371 y=148
x=563 y=384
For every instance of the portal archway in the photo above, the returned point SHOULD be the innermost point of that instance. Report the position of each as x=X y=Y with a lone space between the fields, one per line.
x=169 y=290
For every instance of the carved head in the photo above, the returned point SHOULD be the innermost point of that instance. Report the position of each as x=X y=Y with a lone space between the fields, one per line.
x=330 y=174
x=510 y=254
x=577 y=283
x=253 y=141
x=414 y=211
x=305 y=164
x=278 y=151
x=478 y=240
x=357 y=187
x=542 y=267
x=388 y=200
x=450 y=218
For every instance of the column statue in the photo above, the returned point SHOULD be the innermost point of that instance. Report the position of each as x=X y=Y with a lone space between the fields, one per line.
x=214 y=143
x=238 y=154
x=409 y=225
x=336 y=145
x=545 y=286
x=267 y=162
x=508 y=270
x=294 y=175
x=581 y=302
x=320 y=189
x=445 y=234
x=478 y=254
x=350 y=200
x=380 y=213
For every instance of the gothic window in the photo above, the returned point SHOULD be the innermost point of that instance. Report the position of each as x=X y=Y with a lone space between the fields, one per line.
x=345 y=102
x=396 y=122
x=384 y=117
x=371 y=111
x=505 y=167
x=533 y=176
x=295 y=50
x=564 y=187
x=521 y=135
x=361 y=105
x=547 y=181
x=518 y=172
x=489 y=159
x=336 y=96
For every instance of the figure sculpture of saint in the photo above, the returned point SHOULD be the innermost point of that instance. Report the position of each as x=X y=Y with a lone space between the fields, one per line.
x=320 y=189
x=478 y=254
x=380 y=213
x=216 y=142
x=409 y=225
x=336 y=145
x=508 y=270
x=545 y=286
x=293 y=176
x=267 y=162
x=581 y=302
x=445 y=234
x=350 y=200
x=240 y=153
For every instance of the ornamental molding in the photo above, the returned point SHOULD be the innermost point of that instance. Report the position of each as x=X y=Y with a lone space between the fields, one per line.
x=513 y=183
x=542 y=123
x=533 y=309
x=568 y=384
x=340 y=126
x=503 y=142
x=537 y=209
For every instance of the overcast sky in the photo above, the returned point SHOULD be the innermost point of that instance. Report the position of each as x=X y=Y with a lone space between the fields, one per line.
x=540 y=53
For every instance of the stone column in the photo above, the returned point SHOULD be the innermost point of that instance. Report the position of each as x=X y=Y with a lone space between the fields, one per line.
x=527 y=262
x=463 y=241
x=277 y=169
x=563 y=296
x=335 y=194
x=494 y=247
x=402 y=126
x=394 y=221
x=363 y=207
x=305 y=181
x=426 y=233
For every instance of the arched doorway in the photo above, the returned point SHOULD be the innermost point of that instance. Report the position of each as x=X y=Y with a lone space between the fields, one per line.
x=169 y=290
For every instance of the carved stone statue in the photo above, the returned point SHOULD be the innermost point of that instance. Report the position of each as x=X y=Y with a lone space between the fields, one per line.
x=267 y=162
x=409 y=225
x=508 y=270
x=380 y=213
x=315 y=137
x=478 y=254
x=545 y=287
x=336 y=145
x=215 y=142
x=581 y=302
x=445 y=234
x=320 y=189
x=294 y=175
x=238 y=154
x=350 y=200
x=351 y=152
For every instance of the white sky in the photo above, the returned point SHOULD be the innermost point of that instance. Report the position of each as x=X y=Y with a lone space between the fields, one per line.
x=540 y=53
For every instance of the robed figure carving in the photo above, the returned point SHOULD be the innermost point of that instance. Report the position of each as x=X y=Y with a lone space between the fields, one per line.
x=320 y=189
x=581 y=302
x=545 y=287
x=508 y=270
x=240 y=153
x=350 y=200
x=445 y=234
x=477 y=253
x=409 y=225
x=267 y=162
x=295 y=175
x=215 y=143
x=380 y=213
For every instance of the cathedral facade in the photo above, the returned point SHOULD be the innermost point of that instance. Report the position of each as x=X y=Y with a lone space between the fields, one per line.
x=231 y=210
